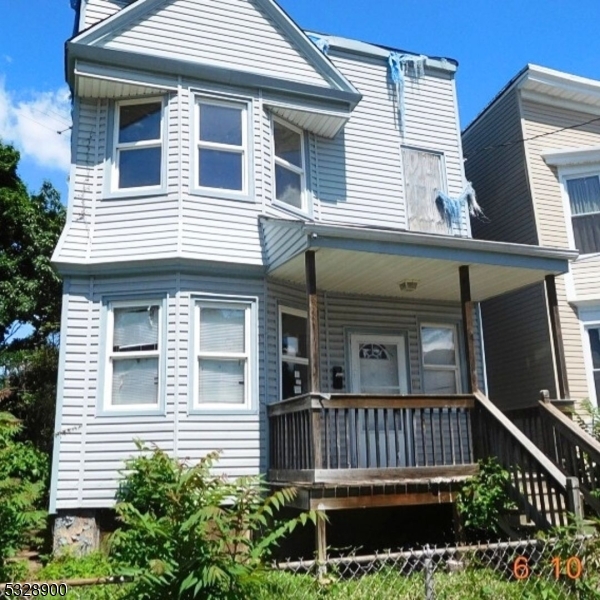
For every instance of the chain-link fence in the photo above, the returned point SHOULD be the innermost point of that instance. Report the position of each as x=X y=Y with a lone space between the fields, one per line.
x=552 y=569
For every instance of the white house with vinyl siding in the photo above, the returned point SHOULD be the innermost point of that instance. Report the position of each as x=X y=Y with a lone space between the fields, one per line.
x=221 y=162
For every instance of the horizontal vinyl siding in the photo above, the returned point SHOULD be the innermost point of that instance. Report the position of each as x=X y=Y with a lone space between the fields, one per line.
x=359 y=172
x=542 y=119
x=93 y=448
x=98 y=10
x=495 y=164
x=230 y=33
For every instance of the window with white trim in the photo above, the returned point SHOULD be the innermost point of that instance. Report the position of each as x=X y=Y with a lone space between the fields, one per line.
x=223 y=355
x=440 y=356
x=289 y=165
x=584 y=202
x=221 y=145
x=138 y=145
x=594 y=339
x=134 y=355
x=293 y=328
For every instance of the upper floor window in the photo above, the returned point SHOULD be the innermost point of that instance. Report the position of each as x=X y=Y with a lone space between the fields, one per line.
x=423 y=179
x=441 y=366
x=584 y=201
x=138 y=144
x=132 y=378
x=289 y=165
x=222 y=146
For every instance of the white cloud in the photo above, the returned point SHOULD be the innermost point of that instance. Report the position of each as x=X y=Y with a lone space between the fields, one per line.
x=31 y=122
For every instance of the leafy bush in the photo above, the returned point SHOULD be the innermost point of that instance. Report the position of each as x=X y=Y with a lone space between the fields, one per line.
x=23 y=477
x=484 y=498
x=189 y=534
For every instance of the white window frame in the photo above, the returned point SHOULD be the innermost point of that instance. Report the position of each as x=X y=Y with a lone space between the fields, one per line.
x=284 y=163
x=107 y=404
x=565 y=174
x=245 y=149
x=249 y=355
x=295 y=312
x=117 y=147
x=456 y=367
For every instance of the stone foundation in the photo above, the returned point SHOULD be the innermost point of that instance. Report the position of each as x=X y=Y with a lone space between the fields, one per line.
x=76 y=532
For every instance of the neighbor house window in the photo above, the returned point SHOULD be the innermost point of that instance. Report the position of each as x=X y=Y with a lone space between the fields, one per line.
x=289 y=165
x=423 y=179
x=439 y=351
x=594 y=336
x=294 y=352
x=221 y=142
x=138 y=144
x=223 y=355
x=133 y=340
x=584 y=200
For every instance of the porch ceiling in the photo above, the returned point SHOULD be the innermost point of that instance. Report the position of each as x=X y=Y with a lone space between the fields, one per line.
x=374 y=262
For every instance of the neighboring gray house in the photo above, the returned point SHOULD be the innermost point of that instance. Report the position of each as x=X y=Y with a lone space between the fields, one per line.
x=255 y=216
x=545 y=190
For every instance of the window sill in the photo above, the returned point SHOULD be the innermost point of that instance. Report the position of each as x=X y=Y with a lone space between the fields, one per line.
x=138 y=193
x=297 y=212
x=196 y=411
x=223 y=194
x=131 y=412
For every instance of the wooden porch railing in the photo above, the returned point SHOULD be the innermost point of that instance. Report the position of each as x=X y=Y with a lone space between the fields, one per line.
x=571 y=448
x=538 y=487
x=363 y=437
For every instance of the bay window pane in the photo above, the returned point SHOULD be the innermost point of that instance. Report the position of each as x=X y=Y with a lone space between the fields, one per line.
x=439 y=382
x=288 y=186
x=288 y=144
x=220 y=124
x=294 y=379
x=438 y=346
x=139 y=122
x=220 y=169
x=586 y=231
x=584 y=194
x=293 y=335
x=221 y=381
x=135 y=381
x=135 y=329
x=222 y=330
x=139 y=167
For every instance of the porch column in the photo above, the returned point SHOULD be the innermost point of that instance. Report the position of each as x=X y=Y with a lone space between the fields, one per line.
x=314 y=383
x=560 y=363
x=468 y=326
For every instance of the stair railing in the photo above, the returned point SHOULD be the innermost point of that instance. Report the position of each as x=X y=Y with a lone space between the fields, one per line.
x=539 y=489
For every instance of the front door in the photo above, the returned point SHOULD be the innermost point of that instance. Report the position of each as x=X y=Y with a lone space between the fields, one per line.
x=378 y=367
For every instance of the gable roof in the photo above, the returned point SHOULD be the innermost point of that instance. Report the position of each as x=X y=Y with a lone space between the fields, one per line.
x=332 y=83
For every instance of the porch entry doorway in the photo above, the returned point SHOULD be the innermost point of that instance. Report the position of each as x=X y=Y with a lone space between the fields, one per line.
x=378 y=367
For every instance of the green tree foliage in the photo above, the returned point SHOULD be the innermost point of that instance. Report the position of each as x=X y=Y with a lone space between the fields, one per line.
x=30 y=300
x=23 y=473
x=189 y=534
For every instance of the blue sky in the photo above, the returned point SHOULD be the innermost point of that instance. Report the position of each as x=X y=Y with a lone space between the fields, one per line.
x=491 y=39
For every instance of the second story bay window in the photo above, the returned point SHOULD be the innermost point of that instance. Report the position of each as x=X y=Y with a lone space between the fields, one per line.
x=221 y=147
x=584 y=202
x=289 y=165
x=138 y=145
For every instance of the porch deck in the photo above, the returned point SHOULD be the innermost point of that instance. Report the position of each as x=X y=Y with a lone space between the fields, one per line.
x=401 y=449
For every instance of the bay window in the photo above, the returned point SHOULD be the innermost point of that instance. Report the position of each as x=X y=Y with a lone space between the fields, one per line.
x=289 y=165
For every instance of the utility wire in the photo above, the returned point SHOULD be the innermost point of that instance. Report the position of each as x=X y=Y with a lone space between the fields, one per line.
x=529 y=139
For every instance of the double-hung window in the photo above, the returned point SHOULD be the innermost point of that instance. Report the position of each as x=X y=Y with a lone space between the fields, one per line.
x=289 y=165
x=223 y=355
x=584 y=201
x=594 y=339
x=134 y=338
x=294 y=352
x=138 y=145
x=441 y=366
x=221 y=146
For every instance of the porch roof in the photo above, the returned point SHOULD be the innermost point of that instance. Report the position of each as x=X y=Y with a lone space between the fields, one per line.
x=369 y=260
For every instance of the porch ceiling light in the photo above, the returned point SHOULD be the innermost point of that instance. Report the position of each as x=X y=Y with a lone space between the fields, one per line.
x=408 y=285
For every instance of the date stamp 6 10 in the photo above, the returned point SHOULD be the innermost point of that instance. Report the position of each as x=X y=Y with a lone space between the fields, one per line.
x=572 y=567
x=30 y=590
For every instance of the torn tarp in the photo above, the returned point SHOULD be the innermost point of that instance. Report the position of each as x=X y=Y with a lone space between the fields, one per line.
x=451 y=208
x=320 y=42
x=401 y=65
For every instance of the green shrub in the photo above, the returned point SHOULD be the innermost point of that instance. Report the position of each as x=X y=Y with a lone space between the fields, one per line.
x=484 y=499
x=189 y=534
x=23 y=477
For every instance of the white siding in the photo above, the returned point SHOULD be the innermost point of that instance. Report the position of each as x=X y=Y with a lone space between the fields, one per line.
x=93 y=448
x=230 y=33
x=98 y=10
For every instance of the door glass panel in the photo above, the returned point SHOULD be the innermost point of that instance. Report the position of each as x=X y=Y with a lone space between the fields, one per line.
x=378 y=364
